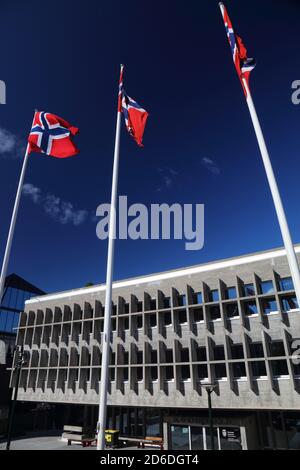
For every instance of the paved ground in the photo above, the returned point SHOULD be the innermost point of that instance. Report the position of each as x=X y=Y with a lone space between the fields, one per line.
x=47 y=442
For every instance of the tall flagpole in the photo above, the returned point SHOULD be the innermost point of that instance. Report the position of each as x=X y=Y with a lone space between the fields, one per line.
x=109 y=275
x=12 y=225
x=290 y=251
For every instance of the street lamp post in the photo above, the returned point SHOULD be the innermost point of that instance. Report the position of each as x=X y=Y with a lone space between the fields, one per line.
x=209 y=387
x=19 y=354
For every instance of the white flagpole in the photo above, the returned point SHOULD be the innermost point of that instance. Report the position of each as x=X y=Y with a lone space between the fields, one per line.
x=108 y=294
x=290 y=251
x=12 y=225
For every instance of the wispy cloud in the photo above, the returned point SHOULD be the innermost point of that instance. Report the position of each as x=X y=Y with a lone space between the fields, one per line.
x=211 y=166
x=168 y=176
x=10 y=144
x=59 y=210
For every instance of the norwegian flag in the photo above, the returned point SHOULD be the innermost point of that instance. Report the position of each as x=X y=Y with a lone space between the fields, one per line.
x=135 y=116
x=243 y=64
x=51 y=135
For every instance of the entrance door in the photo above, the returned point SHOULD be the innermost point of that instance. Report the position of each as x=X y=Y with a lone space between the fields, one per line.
x=198 y=438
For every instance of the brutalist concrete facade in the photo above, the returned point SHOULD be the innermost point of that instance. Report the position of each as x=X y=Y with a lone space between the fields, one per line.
x=232 y=321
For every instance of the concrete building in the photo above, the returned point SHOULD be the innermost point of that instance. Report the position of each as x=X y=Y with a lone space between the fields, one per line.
x=233 y=322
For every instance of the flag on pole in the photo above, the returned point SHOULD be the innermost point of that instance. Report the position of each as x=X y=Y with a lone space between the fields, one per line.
x=243 y=64
x=135 y=116
x=50 y=134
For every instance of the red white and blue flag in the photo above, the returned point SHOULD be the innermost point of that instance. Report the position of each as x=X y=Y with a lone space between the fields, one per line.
x=243 y=64
x=50 y=134
x=135 y=116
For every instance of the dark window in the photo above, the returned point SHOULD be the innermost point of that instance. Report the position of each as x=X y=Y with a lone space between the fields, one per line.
x=249 y=290
x=153 y=373
x=169 y=373
x=256 y=350
x=139 y=374
x=198 y=315
x=220 y=371
x=232 y=310
x=126 y=307
x=153 y=321
x=126 y=357
x=250 y=308
x=276 y=348
x=167 y=302
x=259 y=369
x=269 y=306
x=279 y=368
x=126 y=323
x=184 y=355
x=201 y=354
x=237 y=351
x=112 y=373
x=153 y=304
x=239 y=370
x=215 y=312
x=169 y=355
x=219 y=354
x=214 y=295
x=185 y=372
x=139 y=321
x=153 y=357
x=181 y=300
x=167 y=318
x=182 y=318
x=140 y=357
x=139 y=306
x=202 y=371
x=289 y=303
x=125 y=374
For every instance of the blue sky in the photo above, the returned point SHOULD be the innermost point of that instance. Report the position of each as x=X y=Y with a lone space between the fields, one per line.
x=63 y=57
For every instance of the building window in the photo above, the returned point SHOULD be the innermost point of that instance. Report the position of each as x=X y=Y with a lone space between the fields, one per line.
x=220 y=371
x=239 y=370
x=167 y=319
x=153 y=304
x=153 y=358
x=289 y=303
x=126 y=323
x=185 y=373
x=232 y=310
x=139 y=306
x=214 y=295
x=197 y=298
x=231 y=293
x=214 y=313
x=139 y=322
x=169 y=355
x=269 y=306
x=237 y=351
x=169 y=373
x=153 y=374
x=201 y=354
x=259 y=369
x=181 y=300
x=112 y=374
x=276 y=349
x=249 y=290
x=184 y=355
x=292 y=427
x=198 y=315
x=153 y=321
x=139 y=374
x=167 y=302
x=202 y=371
x=140 y=357
x=279 y=368
x=182 y=318
x=125 y=357
x=256 y=350
x=250 y=308
x=286 y=283
x=126 y=307
x=219 y=353
x=266 y=287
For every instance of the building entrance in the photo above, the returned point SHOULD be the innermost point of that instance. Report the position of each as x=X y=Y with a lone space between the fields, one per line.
x=198 y=438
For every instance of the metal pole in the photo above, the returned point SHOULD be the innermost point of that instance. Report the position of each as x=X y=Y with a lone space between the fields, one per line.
x=210 y=419
x=108 y=294
x=290 y=251
x=20 y=357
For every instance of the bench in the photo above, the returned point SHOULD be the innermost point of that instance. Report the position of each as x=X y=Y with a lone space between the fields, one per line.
x=155 y=442
x=82 y=434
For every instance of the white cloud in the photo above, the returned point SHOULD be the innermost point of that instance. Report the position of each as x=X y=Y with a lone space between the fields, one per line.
x=62 y=211
x=211 y=166
x=10 y=144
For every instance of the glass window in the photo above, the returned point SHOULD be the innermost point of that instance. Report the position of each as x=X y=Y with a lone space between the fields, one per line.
x=181 y=300
x=153 y=422
x=153 y=304
x=197 y=298
x=198 y=315
x=202 y=371
x=167 y=302
x=153 y=321
x=180 y=437
x=153 y=374
x=292 y=426
x=153 y=357
x=185 y=373
x=289 y=303
x=139 y=322
x=182 y=318
x=286 y=283
x=169 y=373
x=139 y=306
x=169 y=355
x=259 y=369
x=220 y=371
x=126 y=307
x=269 y=306
x=125 y=374
x=184 y=355
x=231 y=293
x=219 y=354
x=249 y=290
x=276 y=348
x=201 y=354
x=167 y=318
x=139 y=374
x=214 y=295
x=239 y=370
x=126 y=323
x=250 y=308
x=125 y=357
x=256 y=350
x=266 y=287
x=197 y=438
x=237 y=351
x=279 y=368
x=215 y=312
x=140 y=357
x=232 y=310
